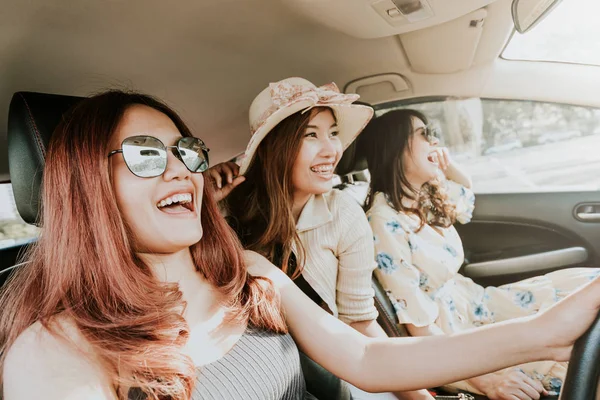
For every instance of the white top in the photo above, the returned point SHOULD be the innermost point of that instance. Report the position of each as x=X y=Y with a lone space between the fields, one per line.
x=418 y=268
x=339 y=255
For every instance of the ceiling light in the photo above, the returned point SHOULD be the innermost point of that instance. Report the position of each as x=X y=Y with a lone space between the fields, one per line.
x=414 y=10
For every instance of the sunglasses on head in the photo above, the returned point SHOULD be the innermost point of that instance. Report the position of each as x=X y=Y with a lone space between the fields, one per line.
x=146 y=156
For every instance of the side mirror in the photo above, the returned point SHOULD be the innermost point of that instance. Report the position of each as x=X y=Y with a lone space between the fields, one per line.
x=528 y=13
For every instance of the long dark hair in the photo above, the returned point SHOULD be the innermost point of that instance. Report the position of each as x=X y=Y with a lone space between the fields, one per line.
x=260 y=209
x=84 y=268
x=384 y=142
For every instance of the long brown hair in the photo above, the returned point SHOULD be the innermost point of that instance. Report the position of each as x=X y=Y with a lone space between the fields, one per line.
x=260 y=209
x=384 y=142
x=83 y=266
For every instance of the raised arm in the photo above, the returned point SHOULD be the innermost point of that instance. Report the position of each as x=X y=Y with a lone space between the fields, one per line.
x=451 y=169
x=400 y=364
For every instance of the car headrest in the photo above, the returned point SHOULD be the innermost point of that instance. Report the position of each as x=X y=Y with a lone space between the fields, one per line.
x=352 y=160
x=32 y=117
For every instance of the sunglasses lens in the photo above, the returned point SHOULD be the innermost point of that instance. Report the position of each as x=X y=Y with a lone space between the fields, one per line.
x=431 y=134
x=194 y=154
x=145 y=156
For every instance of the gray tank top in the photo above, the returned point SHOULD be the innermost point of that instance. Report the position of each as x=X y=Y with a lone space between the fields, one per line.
x=262 y=365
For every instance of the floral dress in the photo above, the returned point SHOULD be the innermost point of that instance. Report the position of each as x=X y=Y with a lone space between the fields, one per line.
x=419 y=271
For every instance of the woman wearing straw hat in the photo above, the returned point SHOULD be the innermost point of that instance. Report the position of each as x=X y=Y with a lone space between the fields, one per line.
x=286 y=209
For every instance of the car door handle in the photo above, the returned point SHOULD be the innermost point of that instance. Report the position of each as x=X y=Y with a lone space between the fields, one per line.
x=588 y=212
x=588 y=216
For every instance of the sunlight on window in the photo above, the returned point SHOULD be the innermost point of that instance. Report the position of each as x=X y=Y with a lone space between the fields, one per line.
x=571 y=33
x=13 y=230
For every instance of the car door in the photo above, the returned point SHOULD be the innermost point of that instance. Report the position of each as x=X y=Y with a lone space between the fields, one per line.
x=513 y=236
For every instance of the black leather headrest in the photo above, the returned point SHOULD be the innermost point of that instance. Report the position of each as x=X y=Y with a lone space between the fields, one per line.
x=352 y=160
x=32 y=118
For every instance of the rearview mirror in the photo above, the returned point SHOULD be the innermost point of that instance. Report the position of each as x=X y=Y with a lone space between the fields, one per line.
x=528 y=13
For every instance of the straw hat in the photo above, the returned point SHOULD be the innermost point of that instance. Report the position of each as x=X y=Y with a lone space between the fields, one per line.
x=291 y=95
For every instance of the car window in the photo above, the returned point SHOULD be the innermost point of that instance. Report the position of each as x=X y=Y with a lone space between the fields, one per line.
x=13 y=230
x=518 y=146
x=554 y=39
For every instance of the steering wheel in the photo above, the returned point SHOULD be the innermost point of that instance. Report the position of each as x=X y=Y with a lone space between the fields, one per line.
x=581 y=382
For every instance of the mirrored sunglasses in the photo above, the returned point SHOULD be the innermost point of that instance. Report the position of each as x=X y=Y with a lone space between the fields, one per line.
x=431 y=134
x=146 y=156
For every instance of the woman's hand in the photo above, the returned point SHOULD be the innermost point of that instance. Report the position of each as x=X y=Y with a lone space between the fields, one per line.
x=510 y=384
x=451 y=170
x=441 y=156
x=226 y=177
x=562 y=324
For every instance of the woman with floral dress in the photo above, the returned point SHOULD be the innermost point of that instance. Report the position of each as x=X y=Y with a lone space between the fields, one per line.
x=416 y=194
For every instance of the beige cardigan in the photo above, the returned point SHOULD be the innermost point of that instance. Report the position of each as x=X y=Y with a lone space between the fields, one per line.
x=339 y=255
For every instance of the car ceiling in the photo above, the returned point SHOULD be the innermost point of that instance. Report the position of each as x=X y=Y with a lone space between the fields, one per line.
x=208 y=59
